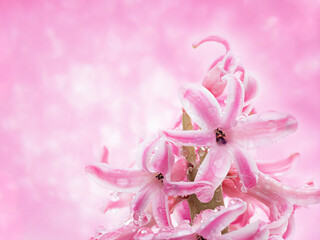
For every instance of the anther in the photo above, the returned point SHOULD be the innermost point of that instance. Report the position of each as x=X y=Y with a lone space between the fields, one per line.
x=160 y=177
x=220 y=136
x=200 y=237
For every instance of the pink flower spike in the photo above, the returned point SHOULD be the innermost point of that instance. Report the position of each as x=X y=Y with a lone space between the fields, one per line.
x=199 y=103
x=213 y=39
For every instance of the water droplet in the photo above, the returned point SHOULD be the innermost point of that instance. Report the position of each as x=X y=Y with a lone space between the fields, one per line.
x=218 y=197
x=185 y=152
x=234 y=201
x=137 y=219
x=115 y=196
x=243 y=189
x=218 y=208
x=142 y=232
x=202 y=151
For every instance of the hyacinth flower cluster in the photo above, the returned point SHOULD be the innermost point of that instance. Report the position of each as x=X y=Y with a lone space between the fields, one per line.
x=200 y=179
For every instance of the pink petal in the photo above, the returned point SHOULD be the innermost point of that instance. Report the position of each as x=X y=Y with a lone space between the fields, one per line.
x=124 y=233
x=214 y=168
x=122 y=202
x=253 y=231
x=220 y=220
x=290 y=228
x=279 y=166
x=188 y=188
x=142 y=199
x=201 y=106
x=216 y=61
x=280 y=214
x=302 y=196
x=261 y=129
x=163 y=159
x=105 y=155
x=246 y=167
x=160 y=210
x=250 y=88
x=213 y=81
x=144 y=152
x=191 y=138
x=182 y=212
x=275 y=237
x=144 y=234
x=179 y=170
x=213 y=39
x=182 y=232
x=117 y=179
x=244 y=219
x=235 y=99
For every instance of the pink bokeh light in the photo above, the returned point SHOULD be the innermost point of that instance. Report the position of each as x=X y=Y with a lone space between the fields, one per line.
x=77 y=75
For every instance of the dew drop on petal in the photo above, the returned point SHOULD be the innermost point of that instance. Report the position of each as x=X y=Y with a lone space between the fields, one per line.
x=114 y=196
x=218 y=198
x=218 y=208
x=137 y=219
x=185 y=152
x=202 y=151
x=243 y=189
x=234 y=201
x=142 y=232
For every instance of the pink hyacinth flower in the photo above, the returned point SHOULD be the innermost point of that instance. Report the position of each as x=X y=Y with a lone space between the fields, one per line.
x=226 y=133
x=209 y=224
x=227 y=64
x=152 y=185
x=128 y=231
x=276 y=199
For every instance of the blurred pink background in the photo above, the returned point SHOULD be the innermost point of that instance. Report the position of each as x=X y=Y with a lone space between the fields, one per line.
x=79 y=74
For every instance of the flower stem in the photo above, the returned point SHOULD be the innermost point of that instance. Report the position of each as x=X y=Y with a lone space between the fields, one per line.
x=195 y=205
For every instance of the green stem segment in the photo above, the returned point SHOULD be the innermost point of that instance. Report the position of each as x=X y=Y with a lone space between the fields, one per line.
x=195 y=205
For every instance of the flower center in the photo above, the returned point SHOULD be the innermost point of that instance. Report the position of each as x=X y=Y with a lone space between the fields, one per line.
x=200 y=237
x=160 y=177
x=220 y=136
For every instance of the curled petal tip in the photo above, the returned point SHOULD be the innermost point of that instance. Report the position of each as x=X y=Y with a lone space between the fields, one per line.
x=292 y=123
x=90 y=169
x=213 y=39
